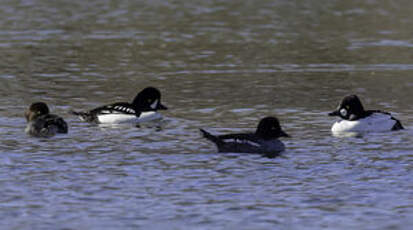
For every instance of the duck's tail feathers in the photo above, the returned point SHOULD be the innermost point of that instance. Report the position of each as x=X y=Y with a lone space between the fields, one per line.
x=84 y=116
x=211 y=137
x=397 y=126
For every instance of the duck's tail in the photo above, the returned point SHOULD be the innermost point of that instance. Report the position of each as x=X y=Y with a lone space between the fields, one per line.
x=397 y=126
x=211 y=137
x=84 y=116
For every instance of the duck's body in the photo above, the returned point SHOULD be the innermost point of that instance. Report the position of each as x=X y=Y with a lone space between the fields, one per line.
x=43 y=124
x=263 y=141
x=355 y=119
x=118 y=113
x=244 y=143
x=376 y=122
x=143 y=108
x=126 y=118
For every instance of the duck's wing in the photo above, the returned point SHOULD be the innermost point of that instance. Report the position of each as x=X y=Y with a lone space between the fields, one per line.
x=397 y=125
x=54 y=121
x=42 y=126
x=239 y=137
x=116 y=108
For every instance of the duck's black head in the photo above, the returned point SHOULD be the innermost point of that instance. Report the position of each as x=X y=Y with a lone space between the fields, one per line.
x=149 y=99
x=36 y=109
x=350 y=108
x=269 y=128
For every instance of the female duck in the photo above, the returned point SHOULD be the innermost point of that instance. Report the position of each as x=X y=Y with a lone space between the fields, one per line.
x=43 y=124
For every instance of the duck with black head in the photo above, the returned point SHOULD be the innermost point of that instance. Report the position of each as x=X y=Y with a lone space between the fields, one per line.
x=263 y=141
x=143 y=108
x=354 y=118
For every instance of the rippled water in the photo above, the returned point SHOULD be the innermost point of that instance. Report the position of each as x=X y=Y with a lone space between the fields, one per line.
x=221 y=65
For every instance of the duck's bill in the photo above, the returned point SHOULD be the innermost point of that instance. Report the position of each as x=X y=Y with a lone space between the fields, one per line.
x=284 y=134
x=161 y=107
x=334 y=113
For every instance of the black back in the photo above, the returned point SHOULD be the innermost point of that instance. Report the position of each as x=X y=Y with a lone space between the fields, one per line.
x=268 y=128
x=54 y=120
x=121 y=107
x=51 y=121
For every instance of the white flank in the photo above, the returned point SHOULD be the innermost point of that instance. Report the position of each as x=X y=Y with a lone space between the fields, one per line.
x=248 y=142
x=117 y=118
x=377 y=122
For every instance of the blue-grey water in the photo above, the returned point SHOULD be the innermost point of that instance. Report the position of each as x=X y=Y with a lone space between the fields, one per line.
x=221 y=65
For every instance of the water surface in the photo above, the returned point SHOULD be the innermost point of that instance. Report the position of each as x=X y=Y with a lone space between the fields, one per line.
x=221 y=65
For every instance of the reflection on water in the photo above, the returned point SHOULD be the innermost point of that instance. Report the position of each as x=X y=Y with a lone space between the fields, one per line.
x=220 y=65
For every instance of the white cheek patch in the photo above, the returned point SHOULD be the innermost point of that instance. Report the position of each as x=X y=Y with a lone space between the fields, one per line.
x=343 y=112
x=154 y=104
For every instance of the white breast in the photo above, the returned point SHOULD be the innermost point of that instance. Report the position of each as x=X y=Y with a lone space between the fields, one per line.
x=377 y=122
x=117 y=118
